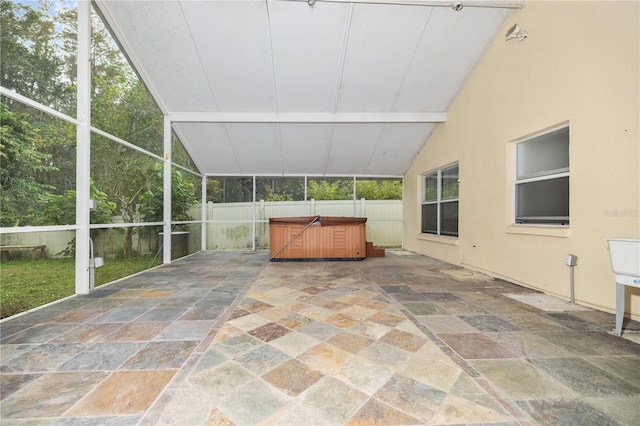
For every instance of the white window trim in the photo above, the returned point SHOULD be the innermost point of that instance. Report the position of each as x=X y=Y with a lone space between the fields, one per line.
x=535 y=228
x=439 y=201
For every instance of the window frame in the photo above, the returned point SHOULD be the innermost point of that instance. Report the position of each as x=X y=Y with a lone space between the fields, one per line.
x=439 y=201
x=540 y=177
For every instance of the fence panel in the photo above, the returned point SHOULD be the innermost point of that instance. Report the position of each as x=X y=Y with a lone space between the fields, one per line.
x=230 y=225
x=56 y=242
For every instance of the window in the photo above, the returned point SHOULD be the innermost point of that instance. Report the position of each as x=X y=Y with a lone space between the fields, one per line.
x=440 y=202
x=542 y=179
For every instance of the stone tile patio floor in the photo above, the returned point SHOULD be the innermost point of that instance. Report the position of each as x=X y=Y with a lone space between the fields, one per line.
x=230 y=338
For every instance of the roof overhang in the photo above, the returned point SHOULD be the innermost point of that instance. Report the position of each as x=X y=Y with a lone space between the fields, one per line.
x=282 y=87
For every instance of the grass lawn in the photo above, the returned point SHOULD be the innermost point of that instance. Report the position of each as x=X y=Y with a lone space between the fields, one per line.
x=26 y=284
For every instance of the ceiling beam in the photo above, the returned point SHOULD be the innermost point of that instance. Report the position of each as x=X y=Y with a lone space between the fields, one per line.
x=319 y=117
x=503 y=4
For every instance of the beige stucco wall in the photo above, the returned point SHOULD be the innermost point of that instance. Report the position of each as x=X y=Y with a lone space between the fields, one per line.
x=579 y=65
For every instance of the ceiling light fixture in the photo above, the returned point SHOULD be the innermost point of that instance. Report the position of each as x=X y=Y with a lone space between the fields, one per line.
x=516 y=32
x=457 y=6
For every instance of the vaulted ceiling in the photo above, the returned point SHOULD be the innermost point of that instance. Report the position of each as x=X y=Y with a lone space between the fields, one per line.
x=278 y=87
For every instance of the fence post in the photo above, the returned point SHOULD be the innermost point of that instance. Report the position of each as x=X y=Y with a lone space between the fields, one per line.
x=261 y=226
x=210 y=230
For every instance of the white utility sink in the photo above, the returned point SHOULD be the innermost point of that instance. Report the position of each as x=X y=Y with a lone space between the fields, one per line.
x=625 y=262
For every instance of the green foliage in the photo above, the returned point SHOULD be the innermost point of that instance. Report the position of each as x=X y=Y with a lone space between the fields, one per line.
x=280 y=189
x=104 y=208
x=230 y=190
x=379 y=189
x=342 y=189
x=182 y=196
x=121 y=105
x=448 y=184
x=431 y=187
x=450 y=192
x=22 y=161
x=221 y=190
x=37 y=150
x=269 y=195
x=32 y=61
x=215 y=191
x=337 y=189
x=179 y=154
x=61 y=209
x=26 y=200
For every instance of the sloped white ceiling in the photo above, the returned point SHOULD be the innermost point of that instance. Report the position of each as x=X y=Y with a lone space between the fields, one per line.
x=279 y=87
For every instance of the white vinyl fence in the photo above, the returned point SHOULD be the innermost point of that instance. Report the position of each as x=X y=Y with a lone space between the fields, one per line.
x=56 y=242
x=230 y=226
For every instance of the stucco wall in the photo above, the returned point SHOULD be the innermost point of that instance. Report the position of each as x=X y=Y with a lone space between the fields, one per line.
x=579 y=65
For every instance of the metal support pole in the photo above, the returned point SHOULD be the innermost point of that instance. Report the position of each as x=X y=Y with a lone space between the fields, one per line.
x=619 y=308
x=83 y=147
x=166 y=238
x=203 y=215
x=253 y=227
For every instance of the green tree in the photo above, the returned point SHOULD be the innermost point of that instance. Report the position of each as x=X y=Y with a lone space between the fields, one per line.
x=379 y=189
x=31 y=58
x=122 y=106
x=279 y=189
x=32 y=63
x=182 y=196
x=61 y=209
x=215 y=190
x=337 y=189
x=38 y=59
x=22 y=195
x=270 y=195
x=230 y=190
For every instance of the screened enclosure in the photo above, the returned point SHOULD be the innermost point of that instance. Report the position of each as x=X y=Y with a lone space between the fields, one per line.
x=125 y=146
x=94 y=200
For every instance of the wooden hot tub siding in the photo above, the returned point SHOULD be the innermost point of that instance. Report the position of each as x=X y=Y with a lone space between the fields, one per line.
x=327 y=238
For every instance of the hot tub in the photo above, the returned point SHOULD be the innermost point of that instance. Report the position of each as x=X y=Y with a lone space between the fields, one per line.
x=317 y=238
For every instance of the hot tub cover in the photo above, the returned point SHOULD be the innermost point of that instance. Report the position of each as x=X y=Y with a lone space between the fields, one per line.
x=322 y=220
